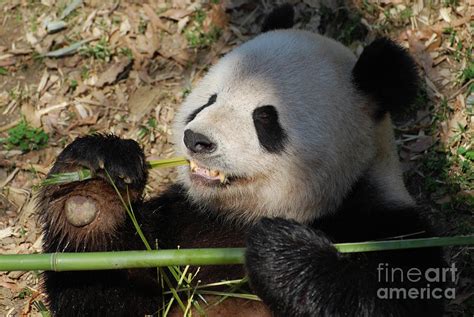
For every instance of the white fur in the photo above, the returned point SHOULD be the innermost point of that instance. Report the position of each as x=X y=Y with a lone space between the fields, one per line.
x=332 y=138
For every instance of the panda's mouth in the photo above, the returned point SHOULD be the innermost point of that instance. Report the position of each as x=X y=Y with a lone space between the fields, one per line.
x=207 y=176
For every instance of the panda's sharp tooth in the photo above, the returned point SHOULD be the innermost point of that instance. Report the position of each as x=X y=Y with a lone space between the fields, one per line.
x=214 y=173
x=222 y=178
x=193 y=166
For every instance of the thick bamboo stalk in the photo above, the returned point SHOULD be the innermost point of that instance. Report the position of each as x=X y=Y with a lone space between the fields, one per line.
x=144 y=259
x=119 y=259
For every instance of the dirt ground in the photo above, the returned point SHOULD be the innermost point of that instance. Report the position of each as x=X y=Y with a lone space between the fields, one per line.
x=68 y=68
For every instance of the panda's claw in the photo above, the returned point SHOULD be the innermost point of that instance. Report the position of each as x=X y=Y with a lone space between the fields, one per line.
x=109 y=158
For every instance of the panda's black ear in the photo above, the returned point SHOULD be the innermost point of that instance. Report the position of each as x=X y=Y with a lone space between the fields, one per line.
x=388 y=73
x=280 y=18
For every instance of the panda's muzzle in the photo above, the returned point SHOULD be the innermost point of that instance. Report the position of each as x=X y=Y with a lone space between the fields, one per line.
x=198 y=143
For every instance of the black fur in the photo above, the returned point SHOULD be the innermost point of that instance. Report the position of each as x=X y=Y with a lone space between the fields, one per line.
x=388 y=73
x=271 y=135
x=193 y=115
x=280 y=18
x=94 y=152
x=102 y=293
x=172 y=222
x=297 y=272
x=292 y=267
x=169 y=220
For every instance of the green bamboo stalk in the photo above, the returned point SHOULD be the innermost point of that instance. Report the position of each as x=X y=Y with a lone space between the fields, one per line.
x=172 y=162
x=404 y=244
x=217 y=256
x=84 y=174
x=119 y=260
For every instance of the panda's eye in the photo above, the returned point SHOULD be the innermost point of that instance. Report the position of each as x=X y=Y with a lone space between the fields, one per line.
x=270 y=133
x=265 y=114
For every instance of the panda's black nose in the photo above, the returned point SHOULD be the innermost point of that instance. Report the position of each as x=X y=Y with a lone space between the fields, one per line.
x=198 y=143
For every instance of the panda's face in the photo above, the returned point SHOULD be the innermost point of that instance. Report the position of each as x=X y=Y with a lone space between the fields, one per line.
x=231 y=138
x=275 y=129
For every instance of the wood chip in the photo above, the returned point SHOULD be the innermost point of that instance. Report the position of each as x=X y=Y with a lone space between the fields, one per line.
x=155 y=19
x=115 y=72
x=31 y=115
x=7 y=232
x=7 y=62
x=142 y=101
x=421 y=144
x=175 y=14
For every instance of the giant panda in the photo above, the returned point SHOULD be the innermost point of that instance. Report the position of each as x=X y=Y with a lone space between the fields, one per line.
x=291 y=149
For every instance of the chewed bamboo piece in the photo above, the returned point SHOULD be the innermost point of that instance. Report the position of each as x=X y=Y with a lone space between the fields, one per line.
x=84 y=174
x=216 y=256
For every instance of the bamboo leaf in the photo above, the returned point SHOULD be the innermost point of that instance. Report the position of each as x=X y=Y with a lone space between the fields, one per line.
x=68 y=50
x=55 y=26
x=70 y=177
x=71 y=7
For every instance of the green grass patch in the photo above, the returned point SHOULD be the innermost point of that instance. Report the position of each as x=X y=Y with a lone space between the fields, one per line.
x=406 y=14
x=85 y=73
x=449 y=175
x=147 y=128
x=195 y=34
x=142 y=26
x=24 y=293
x=451 y=3
x=73 y=84
x=42 y=309
x=468 y=73
x=25 y=137
x=125 y=51
x=100 y=51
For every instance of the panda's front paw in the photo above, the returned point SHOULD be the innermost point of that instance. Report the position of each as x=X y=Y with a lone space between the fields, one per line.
x=122 y=159
x=90 y=215
x=281 y=260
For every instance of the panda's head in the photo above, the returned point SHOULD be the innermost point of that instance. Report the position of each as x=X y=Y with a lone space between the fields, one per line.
x=285 y=124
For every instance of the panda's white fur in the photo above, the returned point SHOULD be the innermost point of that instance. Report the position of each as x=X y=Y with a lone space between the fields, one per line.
x=332 y=137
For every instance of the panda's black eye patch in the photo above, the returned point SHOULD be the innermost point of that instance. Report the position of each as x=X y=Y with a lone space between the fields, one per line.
x=271 y=135
x=193 y=115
